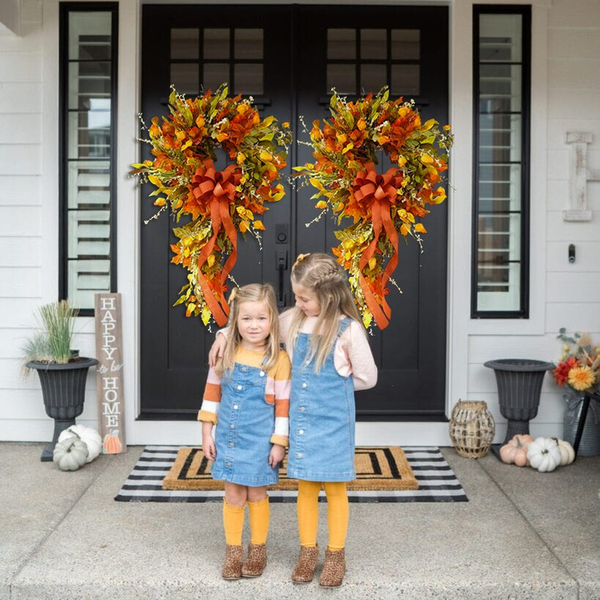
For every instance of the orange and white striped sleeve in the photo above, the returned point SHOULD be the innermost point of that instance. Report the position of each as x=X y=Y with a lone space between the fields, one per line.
x=281 y=387
x=209 y=411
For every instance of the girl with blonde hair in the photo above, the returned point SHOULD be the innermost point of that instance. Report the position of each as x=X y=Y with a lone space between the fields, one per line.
x=331 y=358
x=247 y=396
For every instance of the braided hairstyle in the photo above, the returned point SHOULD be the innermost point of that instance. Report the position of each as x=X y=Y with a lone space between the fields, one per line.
x=325 y=278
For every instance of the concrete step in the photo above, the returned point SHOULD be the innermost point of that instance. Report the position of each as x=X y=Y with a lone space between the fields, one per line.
x=68 y=539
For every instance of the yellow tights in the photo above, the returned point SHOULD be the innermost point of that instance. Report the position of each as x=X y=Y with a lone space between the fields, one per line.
x=233 y=521
x=337 y=512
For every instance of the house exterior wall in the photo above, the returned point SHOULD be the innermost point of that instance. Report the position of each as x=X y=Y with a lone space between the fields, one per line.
x=21 y=231
x=566 y=59
x=572 y=291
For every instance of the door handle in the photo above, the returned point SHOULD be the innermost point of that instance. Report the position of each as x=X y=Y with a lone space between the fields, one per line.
x=282 y=240
x=282 y=265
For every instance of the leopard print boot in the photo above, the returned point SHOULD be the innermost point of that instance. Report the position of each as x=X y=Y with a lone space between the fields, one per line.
x=334 y=568
x=232 y=569
x=256 y=561
x=304 y=571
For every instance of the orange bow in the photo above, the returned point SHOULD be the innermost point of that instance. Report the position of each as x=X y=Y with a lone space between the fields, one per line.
x=378 y=192
x=217 y=190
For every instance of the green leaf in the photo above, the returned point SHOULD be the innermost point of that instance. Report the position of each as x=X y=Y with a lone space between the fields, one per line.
x=188 y=116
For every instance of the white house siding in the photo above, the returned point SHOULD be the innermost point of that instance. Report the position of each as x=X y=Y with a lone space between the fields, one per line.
x=566 y=63
x=572 y=291
x=24 y=232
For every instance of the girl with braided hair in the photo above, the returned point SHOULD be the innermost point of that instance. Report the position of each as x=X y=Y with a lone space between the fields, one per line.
x=331 y=357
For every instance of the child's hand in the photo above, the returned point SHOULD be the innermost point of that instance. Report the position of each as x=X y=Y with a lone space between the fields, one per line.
x=208 y=447
x=276 y=455
x=216 y=350
x=208 y=443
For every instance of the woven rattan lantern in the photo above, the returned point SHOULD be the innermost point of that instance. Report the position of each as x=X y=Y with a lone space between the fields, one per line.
x=472 y=429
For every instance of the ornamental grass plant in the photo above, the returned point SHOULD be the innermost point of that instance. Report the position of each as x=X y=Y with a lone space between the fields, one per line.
x=52 y=342
x=579 y=366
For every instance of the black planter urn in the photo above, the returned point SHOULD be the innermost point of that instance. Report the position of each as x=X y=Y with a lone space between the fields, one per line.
x=63 y=390
x=519 y=383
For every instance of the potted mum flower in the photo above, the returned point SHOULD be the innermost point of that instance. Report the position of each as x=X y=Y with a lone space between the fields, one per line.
x=578 y=372
x=61 y=370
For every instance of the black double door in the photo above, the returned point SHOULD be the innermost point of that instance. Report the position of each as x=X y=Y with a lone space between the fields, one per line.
x=288 y=58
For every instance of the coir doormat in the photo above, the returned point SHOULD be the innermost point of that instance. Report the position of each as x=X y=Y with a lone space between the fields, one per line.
x=437 y=482
x=377 y=468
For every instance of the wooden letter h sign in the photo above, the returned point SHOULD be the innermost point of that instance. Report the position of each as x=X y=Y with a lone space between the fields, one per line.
x=579 y=175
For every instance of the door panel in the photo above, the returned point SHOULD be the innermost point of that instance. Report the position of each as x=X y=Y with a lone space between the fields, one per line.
x=410 y=352
x=185 y=45
x=306 y=49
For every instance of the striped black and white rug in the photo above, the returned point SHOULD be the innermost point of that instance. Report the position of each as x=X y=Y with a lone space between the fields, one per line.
x=437 y=481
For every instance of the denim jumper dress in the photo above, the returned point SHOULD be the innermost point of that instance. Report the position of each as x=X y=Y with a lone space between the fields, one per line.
x=243 y=432
x=322 y=418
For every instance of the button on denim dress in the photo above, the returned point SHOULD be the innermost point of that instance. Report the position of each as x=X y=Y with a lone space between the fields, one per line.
x=322 y=418
x=243 y=433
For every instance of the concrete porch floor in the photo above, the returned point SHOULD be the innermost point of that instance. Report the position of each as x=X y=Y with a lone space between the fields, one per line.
x=522 y=535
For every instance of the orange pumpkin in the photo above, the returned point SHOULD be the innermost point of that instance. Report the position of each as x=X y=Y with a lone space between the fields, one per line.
x=515 y=451
x=112 y=443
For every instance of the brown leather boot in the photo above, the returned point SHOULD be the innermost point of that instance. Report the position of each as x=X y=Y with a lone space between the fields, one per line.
x=304 y=571
x=256 y=561
x=334 y=568
x=232 y=569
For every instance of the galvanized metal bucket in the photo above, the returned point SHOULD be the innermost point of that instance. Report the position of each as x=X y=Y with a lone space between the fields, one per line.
x=590 y=439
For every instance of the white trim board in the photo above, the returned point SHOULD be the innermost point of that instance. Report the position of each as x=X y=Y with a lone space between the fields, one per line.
x=190 y=433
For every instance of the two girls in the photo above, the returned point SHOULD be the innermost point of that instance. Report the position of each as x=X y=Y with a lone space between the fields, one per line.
x=330 y=354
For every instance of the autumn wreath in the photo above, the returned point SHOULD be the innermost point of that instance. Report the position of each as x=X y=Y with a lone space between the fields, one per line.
x=382 y=206
x=219 y=203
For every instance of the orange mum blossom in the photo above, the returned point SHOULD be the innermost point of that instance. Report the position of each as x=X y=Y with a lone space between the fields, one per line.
x=581 y=378
x=382 y=206
x=216 y=204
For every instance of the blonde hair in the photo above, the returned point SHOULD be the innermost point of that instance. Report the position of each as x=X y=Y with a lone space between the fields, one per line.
x=323 y=276
x=254 y=292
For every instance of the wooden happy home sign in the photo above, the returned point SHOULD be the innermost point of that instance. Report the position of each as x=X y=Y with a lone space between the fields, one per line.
x=109 y=373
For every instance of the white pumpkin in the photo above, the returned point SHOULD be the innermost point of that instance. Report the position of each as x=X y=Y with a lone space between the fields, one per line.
x=70 y=454
x=543 y=454
x=88 y=435
x=567 y=453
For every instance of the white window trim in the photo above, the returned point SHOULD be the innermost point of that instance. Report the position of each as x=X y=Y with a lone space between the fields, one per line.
x=535 y=324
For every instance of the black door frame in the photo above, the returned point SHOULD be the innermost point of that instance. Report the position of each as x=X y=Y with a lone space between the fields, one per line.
x=312 y=13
